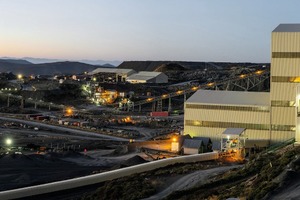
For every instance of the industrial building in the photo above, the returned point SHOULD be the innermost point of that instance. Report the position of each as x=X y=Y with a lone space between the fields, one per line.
x=191 y=146
x=111 y=74
x=266 y=117
x=148 y=77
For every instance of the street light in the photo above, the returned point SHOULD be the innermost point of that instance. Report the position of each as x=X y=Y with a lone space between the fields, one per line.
x=20 y=76
x=8 y=141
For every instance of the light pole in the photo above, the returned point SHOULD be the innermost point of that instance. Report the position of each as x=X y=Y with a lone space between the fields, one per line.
x=8 y=143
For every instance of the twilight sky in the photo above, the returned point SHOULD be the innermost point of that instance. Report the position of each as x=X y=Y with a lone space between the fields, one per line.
x=190 y=30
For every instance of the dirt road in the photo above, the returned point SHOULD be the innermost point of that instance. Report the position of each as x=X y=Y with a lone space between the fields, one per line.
x=190 y=180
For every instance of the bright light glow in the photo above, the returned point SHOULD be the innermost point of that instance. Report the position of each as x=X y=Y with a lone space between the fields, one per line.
x=94 y=79
x=174 y=139
x=197 y=123
x=242 y=76
x=296 y=80
x=69 y=111
x=164 y=96
x=20 y=76
x=228 y=137
x=179 y=91
x=210 y=84
x=195 y=88
x=8 y=141
x=149 y=99
x=259 y=72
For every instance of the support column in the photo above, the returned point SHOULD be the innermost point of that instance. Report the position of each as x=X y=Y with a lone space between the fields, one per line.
x=153 y=106
x=170 y=105
x=159 y=105
x=22 y=104
x=8 y=100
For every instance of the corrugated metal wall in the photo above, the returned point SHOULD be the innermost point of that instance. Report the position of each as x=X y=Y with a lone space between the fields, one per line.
x=287 y=42
x=215 y=133
x=227 y=116
x=285 y=63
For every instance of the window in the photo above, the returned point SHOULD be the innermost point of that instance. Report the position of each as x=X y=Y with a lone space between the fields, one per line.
x=234 y=108
x=239 y=125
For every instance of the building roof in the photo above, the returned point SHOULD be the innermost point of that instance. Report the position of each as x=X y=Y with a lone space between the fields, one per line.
x=111 y=70
x=205 y=140
x=230 y=98
x=193 y=144
x=144 y=75
x=234 y=131
x=138 y=77
x=287 y=28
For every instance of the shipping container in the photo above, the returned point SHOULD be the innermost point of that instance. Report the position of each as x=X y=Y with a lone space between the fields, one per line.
x=159 y=114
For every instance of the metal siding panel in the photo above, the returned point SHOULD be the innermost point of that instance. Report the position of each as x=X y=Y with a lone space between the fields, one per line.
x=215 y=133
x=279 y=136
x=227 y=116
x=286 y=67
x=283 y=91
x=283 y=115
x=285 y=42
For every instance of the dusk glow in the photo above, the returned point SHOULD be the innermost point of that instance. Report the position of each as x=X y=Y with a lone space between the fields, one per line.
x=142 y=30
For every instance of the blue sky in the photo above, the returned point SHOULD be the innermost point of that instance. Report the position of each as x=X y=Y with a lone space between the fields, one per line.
x=191 y=30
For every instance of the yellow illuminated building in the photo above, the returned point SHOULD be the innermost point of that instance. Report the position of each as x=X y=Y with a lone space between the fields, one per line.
x=268 y=117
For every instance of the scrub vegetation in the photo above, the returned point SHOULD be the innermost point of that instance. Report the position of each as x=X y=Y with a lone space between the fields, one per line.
x=259 y=179
x=143 y=185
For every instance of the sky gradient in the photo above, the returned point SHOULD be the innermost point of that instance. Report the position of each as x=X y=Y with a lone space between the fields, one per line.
x=193 y=30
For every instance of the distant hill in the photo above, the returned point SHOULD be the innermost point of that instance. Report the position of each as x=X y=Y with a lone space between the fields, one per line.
x=33 y=60
x=46 y=68
x=16 y=61
x=108 y=65
x=178 y=65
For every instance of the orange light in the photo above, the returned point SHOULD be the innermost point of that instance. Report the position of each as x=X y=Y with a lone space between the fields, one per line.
x=242 y=76
x=174 y=139
x=69 y=111
x=259 y=72
x=179 y=91
x=296 y=80
x=195 y=88
x=164 y=96
x=149 y=99
x=210 y=84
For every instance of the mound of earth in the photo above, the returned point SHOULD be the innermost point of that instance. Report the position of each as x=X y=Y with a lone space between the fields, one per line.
x=170 y=67
x=133 y=161
x=19 y=170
